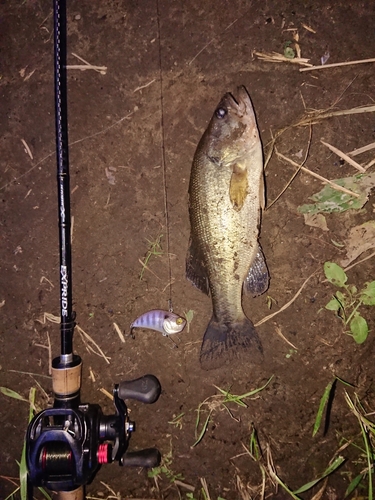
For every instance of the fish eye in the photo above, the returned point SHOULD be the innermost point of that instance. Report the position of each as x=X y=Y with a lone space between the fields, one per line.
x=220 y=113
x=179 y=321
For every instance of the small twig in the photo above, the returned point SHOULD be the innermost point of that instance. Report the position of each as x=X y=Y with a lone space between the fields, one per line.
x=285 y=306
x=100 y=69
x=144 y=266
x=119 y=332
x=370 y=164
x=28 y=151
x=87 y=339
x=144 y=86
x=317 y=176
x=344 y=157
x=321 y=115
x=83 y=67
x=315 y=117
x=278 y=331
x=106 y=393
x=308 y=28
x=319 y=494
x=184 y=485
x=295 y=173
x=359 y=262
x=205 y=488
x=363 y=149
x=335 y=65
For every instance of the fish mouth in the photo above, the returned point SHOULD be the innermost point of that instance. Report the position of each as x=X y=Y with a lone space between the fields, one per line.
x=241 y=103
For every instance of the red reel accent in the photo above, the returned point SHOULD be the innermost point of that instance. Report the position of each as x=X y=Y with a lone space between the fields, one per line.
x=102 y=453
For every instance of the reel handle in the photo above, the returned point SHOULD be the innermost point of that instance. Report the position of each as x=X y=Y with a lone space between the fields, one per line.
x=149 y=457
x=145 y=389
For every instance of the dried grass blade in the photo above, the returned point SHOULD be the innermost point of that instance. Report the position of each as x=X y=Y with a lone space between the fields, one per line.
x=119 y=332
x=285 y=306
x=279 y=332
x=275 y=57
x=317 y=176
x=344 y=157
x=28 y=150
x=361 y=150
x=335 y=65
x=87 y=339
x=205 y=488
x=315 y=117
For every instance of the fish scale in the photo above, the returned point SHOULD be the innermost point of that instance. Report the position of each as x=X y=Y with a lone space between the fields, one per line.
x=226 y=194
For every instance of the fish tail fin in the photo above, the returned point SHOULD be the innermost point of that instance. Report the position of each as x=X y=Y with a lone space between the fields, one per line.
x=227 y=342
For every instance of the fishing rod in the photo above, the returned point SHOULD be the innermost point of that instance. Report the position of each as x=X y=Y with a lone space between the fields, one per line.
x=67 y=444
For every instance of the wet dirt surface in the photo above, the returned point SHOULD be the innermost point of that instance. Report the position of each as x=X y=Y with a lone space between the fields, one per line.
x=118 y=205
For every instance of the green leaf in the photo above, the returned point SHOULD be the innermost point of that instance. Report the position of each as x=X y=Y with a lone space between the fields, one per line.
x=23 y=474
x=289 y=53
x=333 y=305
x=331 y=468
x=44 y=493
x=341 y=297
x=322 y=404
x=202 y=433
x=335 y=274
x=359 y=328
x=155 y=471
x=368 y=294
x=11 y=496
x=352 y=486
x=12 y=394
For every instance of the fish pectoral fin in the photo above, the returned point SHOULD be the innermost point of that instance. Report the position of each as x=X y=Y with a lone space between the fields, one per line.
x=196 y=271
x=257 y=279
x=238 y=188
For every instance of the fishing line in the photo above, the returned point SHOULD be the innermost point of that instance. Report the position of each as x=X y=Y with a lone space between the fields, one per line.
x=164 y=169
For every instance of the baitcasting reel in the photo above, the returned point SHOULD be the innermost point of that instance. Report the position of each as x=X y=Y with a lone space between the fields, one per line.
x=66 y=445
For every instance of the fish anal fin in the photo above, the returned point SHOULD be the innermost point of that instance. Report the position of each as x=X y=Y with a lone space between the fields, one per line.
x=195 y=268
x=238 y=188
x=257 y=279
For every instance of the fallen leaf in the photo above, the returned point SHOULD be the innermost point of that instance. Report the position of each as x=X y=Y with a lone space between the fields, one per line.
x=330 y=200
x=316 y=220
x=360 y=239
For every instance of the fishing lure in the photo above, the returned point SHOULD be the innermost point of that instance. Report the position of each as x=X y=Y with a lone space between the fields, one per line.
x=161 y=321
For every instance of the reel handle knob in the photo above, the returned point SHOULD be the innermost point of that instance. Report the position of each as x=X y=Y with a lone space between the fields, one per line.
x=150 y=457
x=145 y=389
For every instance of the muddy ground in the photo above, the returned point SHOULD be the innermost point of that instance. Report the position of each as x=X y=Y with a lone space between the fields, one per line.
x=118 y=200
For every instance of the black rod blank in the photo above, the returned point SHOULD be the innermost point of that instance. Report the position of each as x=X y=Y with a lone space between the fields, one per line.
x=63 y=181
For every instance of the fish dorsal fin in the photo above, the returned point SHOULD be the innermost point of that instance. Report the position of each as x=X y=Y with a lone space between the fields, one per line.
x=238 y=188
x=257 y=279
x=195 y=268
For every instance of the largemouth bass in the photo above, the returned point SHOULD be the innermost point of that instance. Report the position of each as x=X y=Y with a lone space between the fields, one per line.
x=226 y=195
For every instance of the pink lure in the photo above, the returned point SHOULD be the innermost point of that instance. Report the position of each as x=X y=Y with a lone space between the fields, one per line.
x=161 y=321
